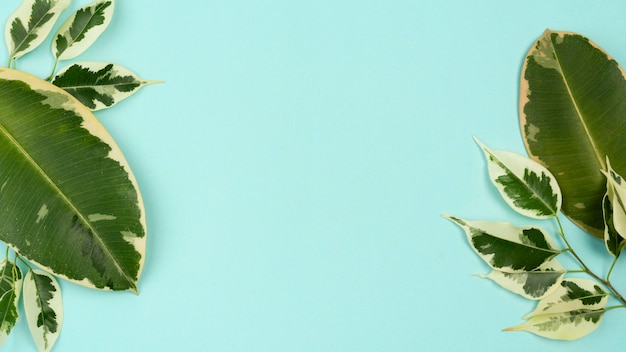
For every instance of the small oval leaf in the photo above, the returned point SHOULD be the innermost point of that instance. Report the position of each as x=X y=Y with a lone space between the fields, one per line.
x=528 y=187
x=29 y=25
x=82 y=29
x=535 y=284
x=506 y=247
x=10 y=289
x=99 y=85
x=44 y=308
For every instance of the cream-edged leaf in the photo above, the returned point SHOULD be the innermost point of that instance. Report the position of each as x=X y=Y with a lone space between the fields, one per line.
x=572 y=295
x=535 y=284
x=30 y=24
x=570 y=325
x=99 y=85
x=615 y=203
x=82 y=29
x=44 y=308
x=613 y=241
x=10 y=289
x=506 y=247
x=528 y=187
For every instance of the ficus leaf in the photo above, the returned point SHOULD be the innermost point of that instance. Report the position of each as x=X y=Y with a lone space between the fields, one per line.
x=82 y=29
x=506 y=247
x=29 y=25
x=535 y=284
x=529 y=188
x=68 y=199
x=10 y=289
x=569 y=325
x=99 y=85
x=572 y=116
x=44 y=308
x=572 y=294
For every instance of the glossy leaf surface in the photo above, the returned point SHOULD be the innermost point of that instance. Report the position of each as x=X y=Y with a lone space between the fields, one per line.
x=44 y=308
x=68 y=200
x=535 y=284
x=10 y=289
x=506 y=247
x=529 y=188
x=572 y=294
x=29 y=25
x=614 y=208
x=82 y=29
x=573 y=116
x=99 y=85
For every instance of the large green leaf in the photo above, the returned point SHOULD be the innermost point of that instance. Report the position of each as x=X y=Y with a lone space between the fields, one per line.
x=68 y=200
x=573 y=116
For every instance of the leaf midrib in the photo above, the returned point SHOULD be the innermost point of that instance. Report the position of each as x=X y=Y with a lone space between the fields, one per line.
x=82 y=30
x=65 y=198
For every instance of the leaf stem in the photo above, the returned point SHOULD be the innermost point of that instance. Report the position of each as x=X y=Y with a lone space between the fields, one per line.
x=586 y=269
x=54 y=68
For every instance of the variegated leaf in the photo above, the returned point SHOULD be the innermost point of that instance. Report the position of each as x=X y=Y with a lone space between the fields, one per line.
x=82 y=29
x=44 y=308
x=573 y=294
x=535 y=284
x=614 y=203
x=30 y=24
x=10 y=289
x=570 y=325
x=506 y=247
x=612 y=239
x=99 y=85
x=528 y=187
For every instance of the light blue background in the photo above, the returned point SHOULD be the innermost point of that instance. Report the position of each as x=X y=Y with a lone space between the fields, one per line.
x=294 y=166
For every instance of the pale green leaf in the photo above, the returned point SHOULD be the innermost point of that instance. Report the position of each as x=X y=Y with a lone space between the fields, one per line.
x=506 y=247
x=99 y=85
x=573 y=115
x=67 y=194
x=570 y=325
x=44 y=308
x=573 y=294
x=82 y=29
x=535 y=284
x=30 y=24
x=10 y=289
x=529 y=188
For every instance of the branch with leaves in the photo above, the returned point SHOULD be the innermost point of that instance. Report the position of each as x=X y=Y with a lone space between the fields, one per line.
x=71 y=206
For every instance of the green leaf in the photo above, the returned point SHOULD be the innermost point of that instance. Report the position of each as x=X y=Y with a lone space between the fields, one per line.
x=82 y=29
x=506 y=247
x=570 y=325
x=572 y=116
x=572 y=295
x=612 y=239
x=44 y=308
x=529 y=188
x=68 y=199
x=616 y=199
x=99 y=85
x=29 y=25
x=535 y=284
x=10 y=289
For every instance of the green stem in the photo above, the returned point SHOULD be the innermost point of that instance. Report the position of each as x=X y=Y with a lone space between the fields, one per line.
x=608 y=275
x=585 y=268
x=54 y=68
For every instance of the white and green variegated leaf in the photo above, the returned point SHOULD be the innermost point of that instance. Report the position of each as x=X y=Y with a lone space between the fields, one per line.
x=573 y=294
x=614 y=211
x=82 y=29
x=570 y=325
x=535 y=284
x=30 y=24
x=44 y=308
x=506 y=247
x=10 y=289
x=69 y=201
x=613 y=241
x=528 y=187
x=99 y=85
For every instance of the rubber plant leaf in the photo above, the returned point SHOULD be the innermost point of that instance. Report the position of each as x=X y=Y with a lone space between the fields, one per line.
x=99 y=85
x=571 y=312
x=82 y=29
x=528 y=187
x=10 y=289
x=506 y=247
x=68 y=199
x=573 y=116
x=44 y=308
x=535 y=284
x=30 y=24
